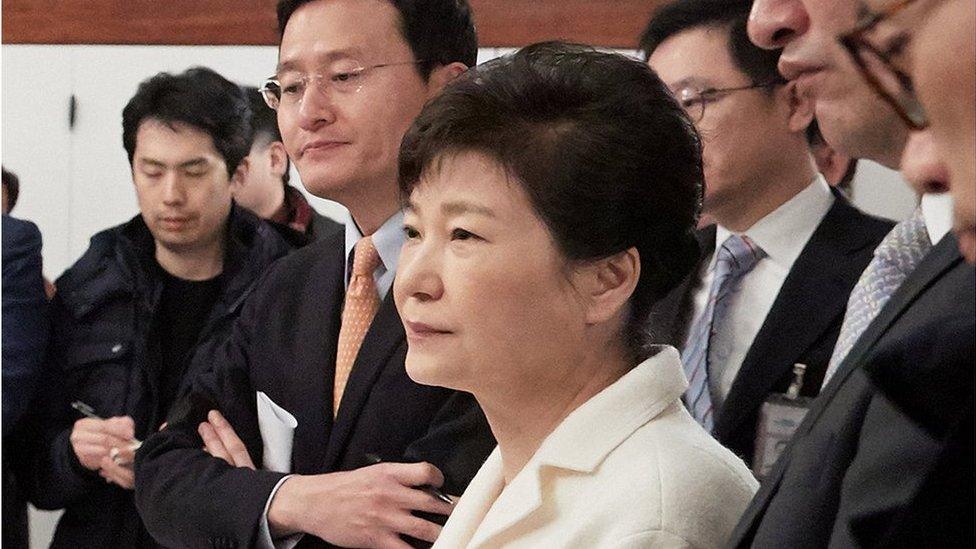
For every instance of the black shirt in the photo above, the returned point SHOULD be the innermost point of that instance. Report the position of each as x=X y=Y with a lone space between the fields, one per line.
x=184 y=308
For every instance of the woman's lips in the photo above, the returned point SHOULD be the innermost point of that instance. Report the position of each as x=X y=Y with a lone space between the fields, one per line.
x=419 y=330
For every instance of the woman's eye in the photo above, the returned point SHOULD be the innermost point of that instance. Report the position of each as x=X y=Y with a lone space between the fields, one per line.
x=411 y=232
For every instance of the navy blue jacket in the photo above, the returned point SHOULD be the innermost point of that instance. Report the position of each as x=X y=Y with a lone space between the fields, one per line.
x=102 y=354
x=25 y=334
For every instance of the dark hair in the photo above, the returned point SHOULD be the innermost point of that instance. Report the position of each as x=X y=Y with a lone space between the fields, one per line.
x=12 y=184
x=264 y=124
x=608 y=159
x=730 y=15
x=439 y=32
x=200 y=98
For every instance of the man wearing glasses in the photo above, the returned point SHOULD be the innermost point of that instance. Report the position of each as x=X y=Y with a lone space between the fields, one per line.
x=313 y=379
x=858 y=463
x=761 y=188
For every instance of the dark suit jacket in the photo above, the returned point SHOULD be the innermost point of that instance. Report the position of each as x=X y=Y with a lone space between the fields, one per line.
x=25 y=317
x=929 y=377
x=284 y=344
x=802 y=325
x=25 y=334
x=857 y=461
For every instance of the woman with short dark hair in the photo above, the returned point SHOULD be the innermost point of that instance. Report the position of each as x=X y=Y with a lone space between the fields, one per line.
x=551 y=198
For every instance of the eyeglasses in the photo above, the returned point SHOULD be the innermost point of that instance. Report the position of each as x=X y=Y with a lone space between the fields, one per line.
x=288 y=91
x=872 y=51
x=694 y=100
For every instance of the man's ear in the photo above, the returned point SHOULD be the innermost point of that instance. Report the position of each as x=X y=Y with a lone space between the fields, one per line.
x=239 y=178
x=279 y=158
x=442 y=75
x=607 y=284
x=801 y=108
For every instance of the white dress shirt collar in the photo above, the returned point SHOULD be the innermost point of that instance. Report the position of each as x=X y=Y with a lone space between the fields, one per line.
x=937 y=212
x=784 y=232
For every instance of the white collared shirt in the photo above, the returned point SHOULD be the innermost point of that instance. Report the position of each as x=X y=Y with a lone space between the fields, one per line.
x=782 y=234
x=937 y=213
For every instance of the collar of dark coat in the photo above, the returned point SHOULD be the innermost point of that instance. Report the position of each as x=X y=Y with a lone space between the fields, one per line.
x=121 y=261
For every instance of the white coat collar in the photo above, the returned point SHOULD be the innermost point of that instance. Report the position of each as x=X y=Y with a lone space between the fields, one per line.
x=580 y=443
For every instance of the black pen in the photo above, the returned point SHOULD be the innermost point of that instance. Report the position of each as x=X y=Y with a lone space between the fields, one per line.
x=373 y=459
x=89 y=412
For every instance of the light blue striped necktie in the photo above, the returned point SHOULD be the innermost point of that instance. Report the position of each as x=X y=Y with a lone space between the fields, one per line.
x=734 y=258
x=894 y=259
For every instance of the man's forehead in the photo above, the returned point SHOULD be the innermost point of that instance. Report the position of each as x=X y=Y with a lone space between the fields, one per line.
x=320 y=31
x=173 y=140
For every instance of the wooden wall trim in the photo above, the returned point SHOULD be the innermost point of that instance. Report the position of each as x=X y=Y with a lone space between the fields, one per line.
x=501 y=23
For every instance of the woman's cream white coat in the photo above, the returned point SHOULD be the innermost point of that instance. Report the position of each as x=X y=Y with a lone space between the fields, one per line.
x=628 y=468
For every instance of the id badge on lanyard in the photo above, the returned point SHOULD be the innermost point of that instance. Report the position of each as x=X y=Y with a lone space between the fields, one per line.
x=779 y=417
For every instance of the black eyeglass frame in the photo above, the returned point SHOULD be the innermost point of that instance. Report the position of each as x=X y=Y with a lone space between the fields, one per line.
x=854 y=42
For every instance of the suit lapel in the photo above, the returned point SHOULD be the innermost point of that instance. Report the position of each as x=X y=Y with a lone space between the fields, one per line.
x=943 y=257
x=813 y=295
x=517 y=501
x=382 y=339
x=311 y=380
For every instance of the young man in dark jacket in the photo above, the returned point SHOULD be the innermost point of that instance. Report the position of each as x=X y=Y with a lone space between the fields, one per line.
x=144 y=299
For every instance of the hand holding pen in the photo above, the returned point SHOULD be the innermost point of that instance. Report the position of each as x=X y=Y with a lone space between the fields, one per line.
x=373 y=459
x=105 y=445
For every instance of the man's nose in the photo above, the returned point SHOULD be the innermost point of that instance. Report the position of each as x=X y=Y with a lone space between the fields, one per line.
x=775 y=23
x=317 y=106
x=922 y=164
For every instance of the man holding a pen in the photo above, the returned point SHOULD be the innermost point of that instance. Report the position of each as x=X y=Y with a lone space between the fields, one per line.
x=146 y=297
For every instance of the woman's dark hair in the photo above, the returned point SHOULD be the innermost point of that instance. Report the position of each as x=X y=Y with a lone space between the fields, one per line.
x=608 y=159
x=439 y=32
x=200 y=98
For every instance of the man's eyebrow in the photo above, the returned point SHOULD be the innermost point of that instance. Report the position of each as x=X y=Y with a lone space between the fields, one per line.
x=151 y=162
x=194 y=162
x=687 y=82
x=334 y=55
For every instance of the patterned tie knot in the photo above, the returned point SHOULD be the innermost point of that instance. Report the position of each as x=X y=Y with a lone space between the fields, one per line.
x=737 y=256
x=365 y=258
x=905 y=245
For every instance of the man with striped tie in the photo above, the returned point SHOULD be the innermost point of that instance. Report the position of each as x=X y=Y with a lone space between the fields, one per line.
x=786 y=249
